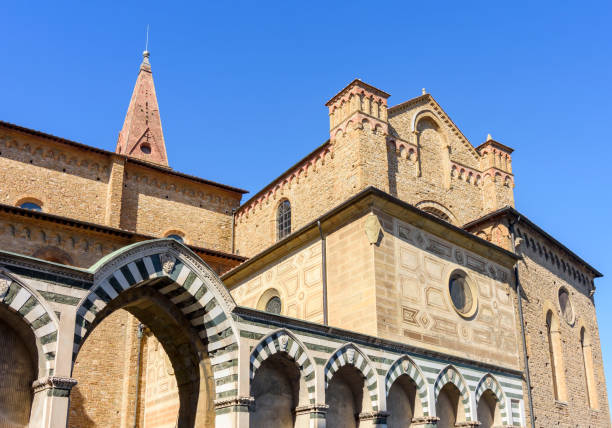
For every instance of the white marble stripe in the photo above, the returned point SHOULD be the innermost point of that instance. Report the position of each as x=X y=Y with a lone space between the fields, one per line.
x=341 y=360
x=20 y=299
x=302 y=359
x=195 y=286
x=226 y=387
x=182 y=276
x=360 y=360
x=191 y=308
x=97 y=302
x=149 y=267
x=80 y=331
x=135 y=272
x=225 y=372
x=49 y=347
x=45 y=329
x=220 y=344
x=108 y=289
x=222 y=326
x=272 y=347
x=293 y=350
x=214 y=312
x=223 y=358
x=89 y=316
x=207 y=297
x=35 y=313
x=121 y=279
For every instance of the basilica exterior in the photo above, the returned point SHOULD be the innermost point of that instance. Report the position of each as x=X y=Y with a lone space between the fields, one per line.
x=384 y=280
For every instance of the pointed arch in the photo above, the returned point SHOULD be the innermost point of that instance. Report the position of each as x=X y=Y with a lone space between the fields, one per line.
x=182 y=277
x=451 y=375
x=405 y=365
x=350 y=354
x=489 y=382
x=19 y=298
x=286 y=342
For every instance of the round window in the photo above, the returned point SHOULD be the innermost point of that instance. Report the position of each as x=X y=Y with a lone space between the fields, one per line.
x=566 y=306
x=274 y=305
x=145 y=148
x=462 y=295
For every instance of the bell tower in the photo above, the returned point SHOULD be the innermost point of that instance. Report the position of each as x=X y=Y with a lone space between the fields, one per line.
x=142 y=136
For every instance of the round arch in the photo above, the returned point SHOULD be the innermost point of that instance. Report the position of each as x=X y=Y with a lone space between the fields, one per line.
x=451 y=375
x=25 y=302
x=438 y=210
x=178 y=275
x=350 y=354
x=489 y=383
x=283 y=341
x=405 y=365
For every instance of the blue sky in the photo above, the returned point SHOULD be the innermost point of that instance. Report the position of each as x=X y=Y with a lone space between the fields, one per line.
x=242 y=87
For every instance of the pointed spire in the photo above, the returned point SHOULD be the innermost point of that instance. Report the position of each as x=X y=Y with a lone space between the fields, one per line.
x=142 y=136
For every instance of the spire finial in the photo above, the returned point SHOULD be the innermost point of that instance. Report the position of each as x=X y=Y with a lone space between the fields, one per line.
x=489 y=138
x=423 y=91
x=145 y=55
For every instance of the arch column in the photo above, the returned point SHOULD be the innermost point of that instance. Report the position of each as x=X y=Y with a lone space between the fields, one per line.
x=51 y=401
x=233 y=412
x=311 y=416
x=376 y=419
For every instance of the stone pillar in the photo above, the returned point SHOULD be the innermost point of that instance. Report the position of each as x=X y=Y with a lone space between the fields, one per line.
x=51 y=401
x=311 y=416
x=376 y=419
x=233 y=412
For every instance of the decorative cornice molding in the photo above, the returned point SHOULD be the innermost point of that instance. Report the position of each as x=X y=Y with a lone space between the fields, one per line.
x=312 y=408
x=53 y=382
x=235 y=401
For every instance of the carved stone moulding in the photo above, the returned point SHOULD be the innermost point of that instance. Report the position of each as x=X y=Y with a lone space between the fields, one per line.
x=53 y=384
x=236 y=403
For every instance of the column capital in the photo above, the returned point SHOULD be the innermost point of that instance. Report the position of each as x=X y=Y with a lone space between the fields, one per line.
x=425 y=421
x=468 y=424
x=236 y=404
x=56 y=386
x=377 y=417
x=312 y=408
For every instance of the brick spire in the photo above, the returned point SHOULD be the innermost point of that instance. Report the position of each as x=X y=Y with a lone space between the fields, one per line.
x=142 y=136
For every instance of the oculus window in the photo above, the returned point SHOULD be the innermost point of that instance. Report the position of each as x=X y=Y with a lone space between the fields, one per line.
x=462 y=294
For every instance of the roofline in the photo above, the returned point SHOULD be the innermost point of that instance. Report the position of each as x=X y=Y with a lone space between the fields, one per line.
x=497 y=143
x=361 y=82
x=82 y=146
x=521 y=217
x=454 y=125
x=286 y=172
x=370 y=190
x=22 y=212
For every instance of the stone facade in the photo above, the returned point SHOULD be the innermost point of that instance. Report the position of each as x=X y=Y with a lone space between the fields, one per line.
x=389 y=300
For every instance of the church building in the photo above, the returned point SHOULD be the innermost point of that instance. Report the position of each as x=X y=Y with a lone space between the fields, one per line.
x=385 y=280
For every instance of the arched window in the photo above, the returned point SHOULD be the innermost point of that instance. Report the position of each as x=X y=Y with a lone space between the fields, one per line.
x=556 y=359
x=274 y=305
x=283 y=220
x=30 y=206
x=587 y=358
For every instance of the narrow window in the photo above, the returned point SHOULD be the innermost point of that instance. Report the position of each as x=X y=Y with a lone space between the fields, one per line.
x=556 y=361
x=587 y=358
x=283 y=220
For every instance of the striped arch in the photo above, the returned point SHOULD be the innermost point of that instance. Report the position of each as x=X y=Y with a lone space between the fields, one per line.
x=488 y=382
x=181 y=276
x=450 y=375
x=284 y=341
x=349 y=354
x=31 y=307
x=405 y=365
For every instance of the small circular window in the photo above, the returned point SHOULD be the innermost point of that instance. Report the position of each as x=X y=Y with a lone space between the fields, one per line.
x=145 y=148
x=566 y=306
x=274 y=305
x=462 y=295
